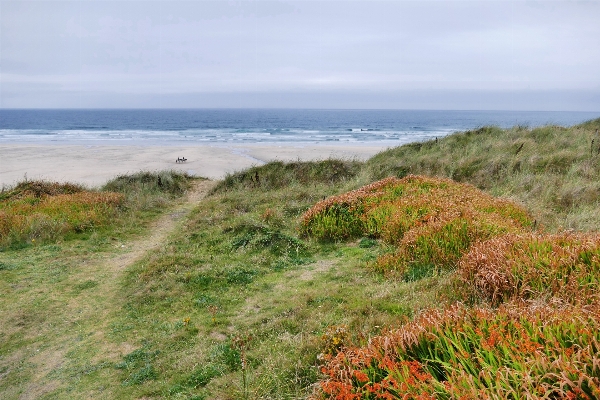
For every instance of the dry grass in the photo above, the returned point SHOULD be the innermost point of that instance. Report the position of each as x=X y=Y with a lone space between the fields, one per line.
x=43 y=211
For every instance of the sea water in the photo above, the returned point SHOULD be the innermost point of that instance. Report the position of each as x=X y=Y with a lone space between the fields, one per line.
x=189 y=126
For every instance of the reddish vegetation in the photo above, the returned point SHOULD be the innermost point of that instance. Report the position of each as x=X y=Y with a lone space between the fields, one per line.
x=39 y=210
x=565 y=265
x=543 y=340
x=431 y=221
x=516 y=351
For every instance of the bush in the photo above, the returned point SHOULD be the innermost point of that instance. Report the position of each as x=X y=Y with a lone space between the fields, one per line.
x=431 y=221
x=565 y=265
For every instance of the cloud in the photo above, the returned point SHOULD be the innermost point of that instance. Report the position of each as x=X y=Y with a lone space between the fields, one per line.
x=159 y=48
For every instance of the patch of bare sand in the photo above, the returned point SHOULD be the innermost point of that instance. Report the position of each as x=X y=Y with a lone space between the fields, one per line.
x=307 y=273
x=317 y=268
x=94 y=164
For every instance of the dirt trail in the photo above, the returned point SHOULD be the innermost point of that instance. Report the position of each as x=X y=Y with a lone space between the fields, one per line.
x=89 y=312
x=160 y=229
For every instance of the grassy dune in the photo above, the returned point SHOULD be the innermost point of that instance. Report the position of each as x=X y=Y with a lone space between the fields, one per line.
x=552 y=170
x=433 y=270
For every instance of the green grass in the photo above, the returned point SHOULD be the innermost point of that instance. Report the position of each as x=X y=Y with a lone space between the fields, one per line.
x=238 y=268
x=552 y=170
x=236 y=303
x=431 y=222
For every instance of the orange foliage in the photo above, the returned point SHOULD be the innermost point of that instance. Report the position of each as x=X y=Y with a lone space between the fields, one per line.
x=522 y=349
x=566 y=265
x=430 y=220
x=40 y=210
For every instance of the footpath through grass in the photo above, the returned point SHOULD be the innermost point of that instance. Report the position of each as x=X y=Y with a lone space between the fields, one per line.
x=236 y=305
x=57 y=291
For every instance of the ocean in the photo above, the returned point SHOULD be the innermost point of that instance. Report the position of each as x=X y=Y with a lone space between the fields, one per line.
x=239 y=126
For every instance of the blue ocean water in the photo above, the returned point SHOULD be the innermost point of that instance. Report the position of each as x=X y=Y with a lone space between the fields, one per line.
x=176 y=127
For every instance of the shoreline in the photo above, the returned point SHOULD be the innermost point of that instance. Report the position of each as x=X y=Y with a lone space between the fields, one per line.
x=93 y=164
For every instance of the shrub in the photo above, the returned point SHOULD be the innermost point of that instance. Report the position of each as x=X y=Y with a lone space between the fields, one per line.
x=256 y=236
x=566 y=265
x=430 y=220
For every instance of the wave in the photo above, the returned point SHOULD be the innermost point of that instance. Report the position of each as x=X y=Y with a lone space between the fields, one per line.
x=217 y=135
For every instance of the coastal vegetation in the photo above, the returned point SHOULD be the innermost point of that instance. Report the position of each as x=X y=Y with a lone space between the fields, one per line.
x=462 y=267
x=48 y=211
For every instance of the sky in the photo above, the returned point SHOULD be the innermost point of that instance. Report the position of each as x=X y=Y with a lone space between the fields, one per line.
x=458 y=55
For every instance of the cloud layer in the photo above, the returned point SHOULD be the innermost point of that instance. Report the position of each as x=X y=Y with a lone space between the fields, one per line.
x=334 y=54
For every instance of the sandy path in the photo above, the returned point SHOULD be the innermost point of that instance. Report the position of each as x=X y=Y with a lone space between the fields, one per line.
x=160 y=230
x=90 y=310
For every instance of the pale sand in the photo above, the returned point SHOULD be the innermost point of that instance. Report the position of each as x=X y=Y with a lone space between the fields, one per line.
x=93 y=165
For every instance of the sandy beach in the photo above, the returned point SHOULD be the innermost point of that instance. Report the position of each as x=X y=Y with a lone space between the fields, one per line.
x=93 y=165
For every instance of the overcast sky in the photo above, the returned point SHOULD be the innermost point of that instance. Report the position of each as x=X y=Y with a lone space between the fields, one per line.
x=515 y=55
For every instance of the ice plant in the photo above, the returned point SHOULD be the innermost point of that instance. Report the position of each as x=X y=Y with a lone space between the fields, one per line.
x=565 y=265
x=431 y=221
x=516 y=351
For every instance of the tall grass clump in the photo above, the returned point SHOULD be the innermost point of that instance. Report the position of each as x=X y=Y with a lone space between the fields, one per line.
x=277 y=175
x=565 y=265
x=38 y=210
x=147 y=190
x=518 y=351
x=431 y=221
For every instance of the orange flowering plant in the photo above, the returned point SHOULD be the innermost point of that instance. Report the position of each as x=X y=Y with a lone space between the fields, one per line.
x=517 y=351
x=431 y=221
x=565 y=265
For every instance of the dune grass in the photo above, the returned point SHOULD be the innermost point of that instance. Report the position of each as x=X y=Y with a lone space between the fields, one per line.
x=277 y=175
x=276 y=286
x=43 y=212
x=236 y=303
x=552 y=170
